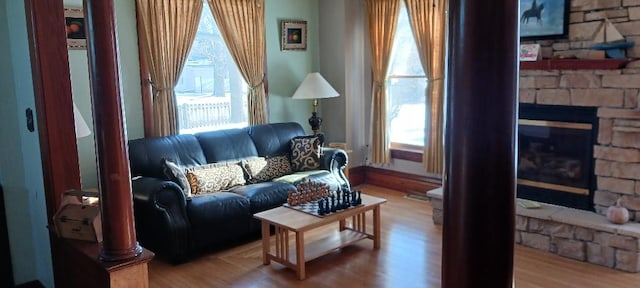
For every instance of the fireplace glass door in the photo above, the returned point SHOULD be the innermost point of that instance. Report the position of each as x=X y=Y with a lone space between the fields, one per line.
x=555 y=161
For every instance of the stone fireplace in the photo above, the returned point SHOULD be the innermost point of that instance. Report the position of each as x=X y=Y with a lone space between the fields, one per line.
x=555 y=154
x=613 y=92
x=614 y=95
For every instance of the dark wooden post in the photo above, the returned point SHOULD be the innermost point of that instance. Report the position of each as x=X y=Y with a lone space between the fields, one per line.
x=116 y=203
x=480 y=137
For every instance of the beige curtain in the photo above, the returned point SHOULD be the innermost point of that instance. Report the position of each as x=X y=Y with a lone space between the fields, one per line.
x=169 y=27
x=241 y=23
x=427 y=18
x=382 y=17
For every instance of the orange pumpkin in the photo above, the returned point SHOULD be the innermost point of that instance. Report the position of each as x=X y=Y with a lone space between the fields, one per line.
x=617 y=214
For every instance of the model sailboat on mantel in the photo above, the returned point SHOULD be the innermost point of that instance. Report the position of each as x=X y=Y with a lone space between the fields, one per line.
x=608 y=38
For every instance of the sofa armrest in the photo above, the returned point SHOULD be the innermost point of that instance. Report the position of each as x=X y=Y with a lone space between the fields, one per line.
x=335 y=160
x=162 y=224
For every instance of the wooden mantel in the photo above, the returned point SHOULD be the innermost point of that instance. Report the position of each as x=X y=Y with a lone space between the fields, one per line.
x=574 y=64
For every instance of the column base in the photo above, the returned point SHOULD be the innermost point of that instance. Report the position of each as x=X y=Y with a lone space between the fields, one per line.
x=118 y=255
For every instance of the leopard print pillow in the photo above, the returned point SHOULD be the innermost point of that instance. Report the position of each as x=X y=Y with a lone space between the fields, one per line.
x=215 y=177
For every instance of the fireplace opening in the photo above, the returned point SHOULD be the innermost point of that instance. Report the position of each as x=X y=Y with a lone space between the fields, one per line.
x=555 y=154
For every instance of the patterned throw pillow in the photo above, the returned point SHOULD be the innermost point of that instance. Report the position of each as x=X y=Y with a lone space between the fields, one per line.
x=262 y=169
x=176 y=174
x=215 y=177
x=305 y=152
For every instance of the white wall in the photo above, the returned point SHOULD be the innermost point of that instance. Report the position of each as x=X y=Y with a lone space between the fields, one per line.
x=287 y=69
x=332 y=67
x=344 y=62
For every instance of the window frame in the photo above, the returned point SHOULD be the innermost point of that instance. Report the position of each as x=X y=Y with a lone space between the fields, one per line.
x=406 y=152
x=402 y=150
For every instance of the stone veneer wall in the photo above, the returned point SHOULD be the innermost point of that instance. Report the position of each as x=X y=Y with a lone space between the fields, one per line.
x=571 y=233
x=616 y=95
x=614 y=92
x=586 y=17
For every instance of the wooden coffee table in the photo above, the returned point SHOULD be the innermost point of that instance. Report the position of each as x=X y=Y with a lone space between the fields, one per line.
x=287 y=220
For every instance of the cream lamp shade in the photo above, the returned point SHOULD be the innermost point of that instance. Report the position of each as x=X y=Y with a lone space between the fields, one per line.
x=315 y=87
x=82 y=130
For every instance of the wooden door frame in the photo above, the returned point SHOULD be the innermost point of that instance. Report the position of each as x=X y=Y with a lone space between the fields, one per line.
x=54 y=110
x=81 y=264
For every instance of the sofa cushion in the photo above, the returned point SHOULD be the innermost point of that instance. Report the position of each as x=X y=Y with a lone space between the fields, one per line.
x=145 y=154
x=226 y=145
x=209 y=209
x=305 y=152
x=215 y=177
x=273 y=139
x=176 y=174
x=261 y=169
x=265 y=195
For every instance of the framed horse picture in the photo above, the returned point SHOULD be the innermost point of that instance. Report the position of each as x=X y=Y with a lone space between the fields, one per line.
x=544 y=19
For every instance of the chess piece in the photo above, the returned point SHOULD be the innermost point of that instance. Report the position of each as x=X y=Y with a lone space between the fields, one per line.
x=347 y=199
x=289 y=197
x=354 y=199
x=321 y=210
x=296 y=199
x=333 y=204
x=307 y=196
x=327 y=207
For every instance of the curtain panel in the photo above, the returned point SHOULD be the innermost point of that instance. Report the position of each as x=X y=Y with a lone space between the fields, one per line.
x=382 y=18
x=168 y=29
x=241 y=23
x=428 y=23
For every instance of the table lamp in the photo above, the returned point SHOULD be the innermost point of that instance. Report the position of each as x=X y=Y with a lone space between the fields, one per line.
x=314 y=86
x=82 y=129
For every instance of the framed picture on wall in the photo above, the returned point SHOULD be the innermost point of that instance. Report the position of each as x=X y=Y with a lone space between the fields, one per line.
x=294 y=35
x=75 y=27
x=544 y=19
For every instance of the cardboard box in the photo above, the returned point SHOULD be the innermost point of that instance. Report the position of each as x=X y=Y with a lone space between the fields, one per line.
x=78 y=220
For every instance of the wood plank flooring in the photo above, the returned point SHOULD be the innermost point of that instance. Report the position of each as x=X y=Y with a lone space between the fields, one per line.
x=409 y=257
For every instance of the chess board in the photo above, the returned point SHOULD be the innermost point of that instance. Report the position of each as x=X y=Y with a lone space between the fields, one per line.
x=312 y=208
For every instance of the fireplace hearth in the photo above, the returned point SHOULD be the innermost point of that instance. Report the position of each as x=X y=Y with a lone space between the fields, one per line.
x=555 y=154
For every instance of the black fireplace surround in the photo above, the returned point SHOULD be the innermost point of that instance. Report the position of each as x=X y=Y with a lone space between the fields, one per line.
x=555 y=154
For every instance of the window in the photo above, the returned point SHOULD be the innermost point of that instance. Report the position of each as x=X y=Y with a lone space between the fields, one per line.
x=211 y=93
x=406 y=84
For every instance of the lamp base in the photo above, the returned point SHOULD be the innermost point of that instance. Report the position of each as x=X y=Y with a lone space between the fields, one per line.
x=315 y=121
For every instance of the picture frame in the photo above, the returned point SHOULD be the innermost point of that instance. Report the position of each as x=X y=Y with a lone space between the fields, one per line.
x=294 y=35
x=544 y=19
x=75 y=28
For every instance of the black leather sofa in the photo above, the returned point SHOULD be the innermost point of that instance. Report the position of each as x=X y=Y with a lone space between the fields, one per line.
x=176 y=226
